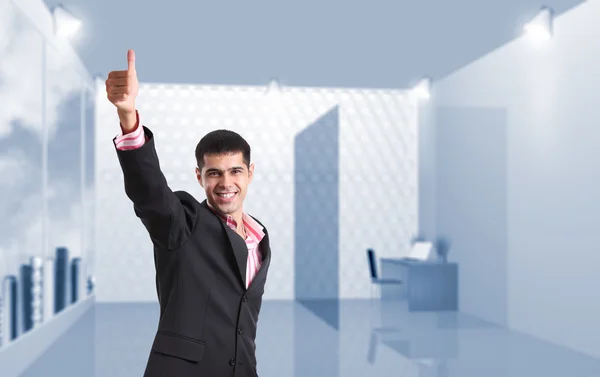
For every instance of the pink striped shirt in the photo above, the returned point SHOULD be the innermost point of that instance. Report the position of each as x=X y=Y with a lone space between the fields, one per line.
x=254 y=231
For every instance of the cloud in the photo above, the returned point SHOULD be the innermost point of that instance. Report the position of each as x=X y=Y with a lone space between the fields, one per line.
x=21 y=70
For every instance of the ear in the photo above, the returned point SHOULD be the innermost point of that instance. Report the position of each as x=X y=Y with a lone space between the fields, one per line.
x=251 y=171
x=199 y=177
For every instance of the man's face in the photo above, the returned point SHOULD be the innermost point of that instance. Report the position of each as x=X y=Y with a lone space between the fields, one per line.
x=225 y=179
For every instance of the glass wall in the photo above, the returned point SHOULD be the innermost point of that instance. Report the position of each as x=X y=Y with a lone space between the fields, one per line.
x=64 y=121
x=46 y=171
x=21 y=119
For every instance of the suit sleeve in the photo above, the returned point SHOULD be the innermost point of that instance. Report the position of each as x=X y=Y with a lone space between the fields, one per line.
x=168 y=217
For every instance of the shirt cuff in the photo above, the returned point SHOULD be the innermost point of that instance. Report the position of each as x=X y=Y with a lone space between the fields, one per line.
x=133 y=139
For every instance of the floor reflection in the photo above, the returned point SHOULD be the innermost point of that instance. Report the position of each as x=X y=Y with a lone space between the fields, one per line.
x=350 y=338
x=72 y=355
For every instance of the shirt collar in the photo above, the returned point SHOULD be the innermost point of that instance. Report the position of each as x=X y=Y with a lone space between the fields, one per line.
x=255 y=230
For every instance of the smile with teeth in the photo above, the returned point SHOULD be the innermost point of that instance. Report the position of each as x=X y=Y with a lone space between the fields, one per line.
x=226 y=195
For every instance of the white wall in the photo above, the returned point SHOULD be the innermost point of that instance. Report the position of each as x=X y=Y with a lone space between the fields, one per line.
x=378 y=182
x=546 y=95
x=377 y=148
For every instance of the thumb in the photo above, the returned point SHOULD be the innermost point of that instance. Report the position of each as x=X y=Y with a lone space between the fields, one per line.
x=131 y=61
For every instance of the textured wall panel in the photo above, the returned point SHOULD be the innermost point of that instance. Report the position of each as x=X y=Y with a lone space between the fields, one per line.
x=377 y=173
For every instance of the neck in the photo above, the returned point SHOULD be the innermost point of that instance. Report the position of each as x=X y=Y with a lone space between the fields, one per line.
x=238 y=219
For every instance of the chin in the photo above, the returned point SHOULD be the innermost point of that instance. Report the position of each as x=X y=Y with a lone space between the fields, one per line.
x=225 y=206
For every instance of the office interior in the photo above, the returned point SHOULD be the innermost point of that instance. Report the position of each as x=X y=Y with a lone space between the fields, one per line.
x=435 y=224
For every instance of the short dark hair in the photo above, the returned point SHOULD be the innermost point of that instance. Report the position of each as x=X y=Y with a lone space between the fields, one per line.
x=222 y=142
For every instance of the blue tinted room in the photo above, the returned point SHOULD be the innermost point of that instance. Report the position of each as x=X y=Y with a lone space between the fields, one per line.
x=425 y=170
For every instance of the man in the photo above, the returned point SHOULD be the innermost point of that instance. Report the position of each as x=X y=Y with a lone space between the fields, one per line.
x=211 y=258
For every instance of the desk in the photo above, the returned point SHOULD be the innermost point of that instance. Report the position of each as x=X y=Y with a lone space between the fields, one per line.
x=428 y=286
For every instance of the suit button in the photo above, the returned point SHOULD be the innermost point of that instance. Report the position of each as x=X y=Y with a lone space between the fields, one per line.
x=245 y=298
x=232 y=362
x=240 y=331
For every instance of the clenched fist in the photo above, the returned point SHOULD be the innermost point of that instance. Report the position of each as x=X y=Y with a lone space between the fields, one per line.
x=122 y=88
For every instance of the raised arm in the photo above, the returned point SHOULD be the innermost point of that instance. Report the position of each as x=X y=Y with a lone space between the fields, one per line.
x=168 y=217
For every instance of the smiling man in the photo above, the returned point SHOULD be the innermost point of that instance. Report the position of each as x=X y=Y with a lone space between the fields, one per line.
x=211 y=257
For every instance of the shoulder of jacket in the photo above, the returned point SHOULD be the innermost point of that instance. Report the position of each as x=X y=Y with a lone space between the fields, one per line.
x=184 y=195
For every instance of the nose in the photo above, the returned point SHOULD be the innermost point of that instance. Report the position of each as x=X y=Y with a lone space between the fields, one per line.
x=226 y=181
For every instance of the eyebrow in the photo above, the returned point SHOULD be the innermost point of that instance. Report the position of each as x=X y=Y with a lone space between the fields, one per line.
x=220 y=171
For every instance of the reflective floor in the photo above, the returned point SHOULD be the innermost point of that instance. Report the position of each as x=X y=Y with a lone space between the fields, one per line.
x=314 y=339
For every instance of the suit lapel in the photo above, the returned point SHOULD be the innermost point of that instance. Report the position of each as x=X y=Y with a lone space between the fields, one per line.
x=240 y=251
x=238 y=246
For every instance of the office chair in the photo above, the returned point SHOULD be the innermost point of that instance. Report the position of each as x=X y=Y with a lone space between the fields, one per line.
x=374 y=275
x=376 y=280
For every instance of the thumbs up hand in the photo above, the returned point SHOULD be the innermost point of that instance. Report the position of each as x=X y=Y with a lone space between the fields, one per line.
x=122 y=89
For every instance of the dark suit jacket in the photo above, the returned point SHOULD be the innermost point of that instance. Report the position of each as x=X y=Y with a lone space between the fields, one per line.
x=207 y=325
